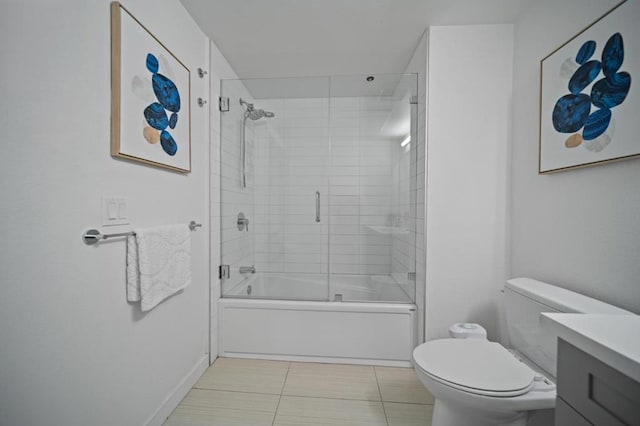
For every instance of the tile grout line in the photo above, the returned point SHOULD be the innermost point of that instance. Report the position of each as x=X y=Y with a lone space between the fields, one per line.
x=234 y=391
x=384 y=410
x=333 y=398
x=284 y=383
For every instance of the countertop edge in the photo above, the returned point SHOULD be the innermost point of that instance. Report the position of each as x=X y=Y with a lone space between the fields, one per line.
x=619 y=361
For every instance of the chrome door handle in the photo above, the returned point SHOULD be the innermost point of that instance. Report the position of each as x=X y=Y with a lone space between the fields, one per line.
x=317 y=206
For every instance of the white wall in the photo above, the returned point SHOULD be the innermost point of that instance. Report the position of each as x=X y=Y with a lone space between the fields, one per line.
x=468 y=135
x=578 y=229
x=73 y=351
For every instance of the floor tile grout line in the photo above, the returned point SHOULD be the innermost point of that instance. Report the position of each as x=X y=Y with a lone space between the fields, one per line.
x=335 y=398
x=284 y=383
x=408 y=403
x=315 y=396
x=310 y=396
x=234 y=391
x=384 y=410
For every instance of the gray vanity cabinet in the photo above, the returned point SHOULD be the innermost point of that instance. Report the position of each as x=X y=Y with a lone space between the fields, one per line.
x=590 y=392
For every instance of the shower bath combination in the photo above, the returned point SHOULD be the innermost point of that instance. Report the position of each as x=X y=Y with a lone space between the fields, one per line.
x=344 y=272
x=253 y=114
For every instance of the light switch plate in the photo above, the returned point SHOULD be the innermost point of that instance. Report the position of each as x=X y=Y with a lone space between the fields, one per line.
x=114 y=211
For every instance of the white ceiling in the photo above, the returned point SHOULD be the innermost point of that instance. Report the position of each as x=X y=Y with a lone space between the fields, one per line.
x=283 y=38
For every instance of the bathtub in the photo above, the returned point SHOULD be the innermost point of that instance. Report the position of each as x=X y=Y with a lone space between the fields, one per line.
x=258 y=319
x=360 y=288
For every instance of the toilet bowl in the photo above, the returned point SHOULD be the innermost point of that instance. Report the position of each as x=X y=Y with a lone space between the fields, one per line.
x=477 y=382
x=480 y=383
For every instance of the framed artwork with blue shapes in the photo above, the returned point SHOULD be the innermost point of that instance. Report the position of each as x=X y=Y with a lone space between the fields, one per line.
x=150 y=99
x=590 y=94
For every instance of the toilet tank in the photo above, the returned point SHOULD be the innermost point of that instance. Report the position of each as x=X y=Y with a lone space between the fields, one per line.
x=525 y=299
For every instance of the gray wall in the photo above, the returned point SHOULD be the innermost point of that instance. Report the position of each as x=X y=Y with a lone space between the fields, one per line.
x=579 y=229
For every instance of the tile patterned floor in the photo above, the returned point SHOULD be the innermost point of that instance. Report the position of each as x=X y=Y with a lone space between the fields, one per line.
x=247 y=392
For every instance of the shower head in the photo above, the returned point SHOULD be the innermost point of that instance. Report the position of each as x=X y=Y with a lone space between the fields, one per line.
x=257 y=114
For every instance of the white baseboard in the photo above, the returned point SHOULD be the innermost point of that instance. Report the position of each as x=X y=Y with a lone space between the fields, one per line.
x=178 y=393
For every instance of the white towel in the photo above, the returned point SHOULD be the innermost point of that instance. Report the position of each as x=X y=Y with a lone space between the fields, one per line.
x=133 y=270
x=158 y=264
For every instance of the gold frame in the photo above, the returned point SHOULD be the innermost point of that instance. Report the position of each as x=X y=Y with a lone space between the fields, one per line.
x=116 y=40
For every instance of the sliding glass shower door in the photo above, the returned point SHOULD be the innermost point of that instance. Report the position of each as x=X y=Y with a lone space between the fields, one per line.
x=318 y=188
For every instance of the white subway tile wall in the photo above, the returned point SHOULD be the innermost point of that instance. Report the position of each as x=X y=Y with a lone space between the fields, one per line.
x=291 y=164
x=333 y=146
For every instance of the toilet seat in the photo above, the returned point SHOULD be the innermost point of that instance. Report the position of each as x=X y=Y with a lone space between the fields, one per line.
x=475 y=366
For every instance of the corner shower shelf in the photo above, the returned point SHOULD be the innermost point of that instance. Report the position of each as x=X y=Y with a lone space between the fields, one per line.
x=389 y=230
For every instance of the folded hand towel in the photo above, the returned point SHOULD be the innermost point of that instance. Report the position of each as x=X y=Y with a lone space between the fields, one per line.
x=163 y=264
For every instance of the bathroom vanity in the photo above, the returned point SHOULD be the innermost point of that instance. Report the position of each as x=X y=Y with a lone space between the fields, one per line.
x=598 y=375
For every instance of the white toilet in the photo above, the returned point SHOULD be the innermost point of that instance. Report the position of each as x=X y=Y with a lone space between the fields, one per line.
x=476 y=382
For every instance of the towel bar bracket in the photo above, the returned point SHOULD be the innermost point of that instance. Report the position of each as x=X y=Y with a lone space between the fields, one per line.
x=93 y=236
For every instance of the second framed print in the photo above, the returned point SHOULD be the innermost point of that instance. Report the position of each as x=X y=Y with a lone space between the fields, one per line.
x=590 y=94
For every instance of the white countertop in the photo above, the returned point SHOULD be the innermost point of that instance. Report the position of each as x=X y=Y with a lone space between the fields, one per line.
x=613 y=339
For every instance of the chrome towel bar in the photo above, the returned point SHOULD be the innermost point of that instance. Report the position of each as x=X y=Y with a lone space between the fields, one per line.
x=93 y=236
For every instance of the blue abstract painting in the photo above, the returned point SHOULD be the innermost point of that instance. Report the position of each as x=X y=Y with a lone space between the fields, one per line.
x=572 y=112
x=168 y=99
x=589 y=100
x=152 y=87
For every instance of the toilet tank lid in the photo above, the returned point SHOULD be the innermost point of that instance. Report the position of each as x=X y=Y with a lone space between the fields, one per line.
x=561 y=299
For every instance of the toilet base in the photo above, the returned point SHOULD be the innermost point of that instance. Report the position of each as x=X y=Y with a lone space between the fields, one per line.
x=447 y=415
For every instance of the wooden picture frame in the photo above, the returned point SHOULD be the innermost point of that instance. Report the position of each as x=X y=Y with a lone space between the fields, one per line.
x=590 y=94
x=150 y=97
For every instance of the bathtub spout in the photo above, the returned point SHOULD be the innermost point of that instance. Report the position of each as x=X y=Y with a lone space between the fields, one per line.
x=248 y=269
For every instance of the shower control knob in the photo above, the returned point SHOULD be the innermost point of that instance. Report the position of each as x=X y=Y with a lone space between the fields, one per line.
x=243 y=222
